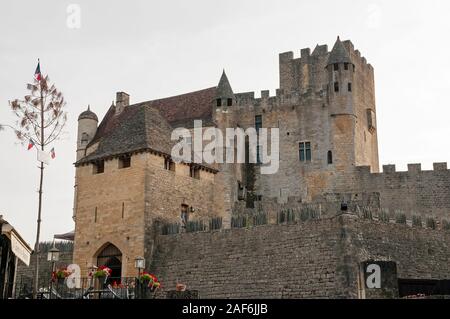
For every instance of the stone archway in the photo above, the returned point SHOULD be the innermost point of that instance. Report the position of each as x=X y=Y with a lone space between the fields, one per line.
x=111 y=257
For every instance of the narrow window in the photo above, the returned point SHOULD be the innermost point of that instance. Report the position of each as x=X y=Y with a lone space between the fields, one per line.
x=336 y=86
x=258 y=123
x=336 y=67
x=99 y=167
x=308 y=151
x=194 y=172
x=123 y=210
x=229 y=102
x=95 y=215
x=301 y=149
x=219 y=102
x=124 y=162
x=305 y=151
x=169 y=165
x=258 y=154
x=346 y=66
x=330 y=157
x=349 y=86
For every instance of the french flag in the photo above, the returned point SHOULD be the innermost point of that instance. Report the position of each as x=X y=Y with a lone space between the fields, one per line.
x=30 y=144
x=37 y=73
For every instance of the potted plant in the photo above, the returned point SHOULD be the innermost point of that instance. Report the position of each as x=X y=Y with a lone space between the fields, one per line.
x=101 y=274
x=60 y=275
x=149 y=284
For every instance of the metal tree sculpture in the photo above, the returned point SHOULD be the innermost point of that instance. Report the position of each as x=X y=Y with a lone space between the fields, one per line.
x=40 y=120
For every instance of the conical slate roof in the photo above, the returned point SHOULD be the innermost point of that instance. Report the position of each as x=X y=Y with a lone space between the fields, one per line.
x=224 y=89
x=88 y=114
x=339 y=54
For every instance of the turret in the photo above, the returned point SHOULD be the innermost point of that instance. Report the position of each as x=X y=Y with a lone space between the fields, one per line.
x=224 y=95
x=340 y=69
x=87 y=127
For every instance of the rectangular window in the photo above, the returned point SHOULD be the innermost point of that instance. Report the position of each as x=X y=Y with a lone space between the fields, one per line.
x=258 y=123
x=124 y=162
x=349 y=86
x=169 y=165
x=99 y=167
x=336 y=86
x=195 y=172
x=259 y=150
x=123 y=210
x=346 y=66
x=219 y=102
x=305 y=151
x=229 y=102
x=336 y=67
x=95 y=215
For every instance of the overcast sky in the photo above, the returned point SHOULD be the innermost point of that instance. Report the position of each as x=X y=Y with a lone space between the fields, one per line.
x=156 y=49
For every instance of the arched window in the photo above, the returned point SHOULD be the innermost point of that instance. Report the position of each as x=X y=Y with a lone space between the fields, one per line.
x=330 y=157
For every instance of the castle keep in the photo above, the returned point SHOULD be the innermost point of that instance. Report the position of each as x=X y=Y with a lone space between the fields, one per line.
x=132 y=199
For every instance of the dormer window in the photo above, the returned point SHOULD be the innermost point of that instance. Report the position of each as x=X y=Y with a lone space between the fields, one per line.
x=169 y=165
x=124 y=162
x=194 y=172
x=99 y=167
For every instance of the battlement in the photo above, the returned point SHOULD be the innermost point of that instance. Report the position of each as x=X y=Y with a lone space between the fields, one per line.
x=412 y=168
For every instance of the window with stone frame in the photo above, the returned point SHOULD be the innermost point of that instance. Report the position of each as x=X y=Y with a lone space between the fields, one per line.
x=371 y=120
x=194 y=172
x=99 y=167
x=124 y=162
x=219 y=102
x=169 y=164
x=349 y=86
x=336 y=67
x=229 y=102
x=336 y=86
x=304 y=150
x=329 y=157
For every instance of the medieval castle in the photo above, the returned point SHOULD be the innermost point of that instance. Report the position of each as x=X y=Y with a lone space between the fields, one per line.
x=227 y=230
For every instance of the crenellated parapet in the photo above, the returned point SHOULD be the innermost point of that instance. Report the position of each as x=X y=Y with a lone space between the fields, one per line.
x=414 y=190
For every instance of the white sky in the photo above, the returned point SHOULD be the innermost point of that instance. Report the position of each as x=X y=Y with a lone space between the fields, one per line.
x=156 y=49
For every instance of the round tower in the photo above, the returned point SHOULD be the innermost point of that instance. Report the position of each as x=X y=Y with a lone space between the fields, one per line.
x=87 y=127
x=340 y=70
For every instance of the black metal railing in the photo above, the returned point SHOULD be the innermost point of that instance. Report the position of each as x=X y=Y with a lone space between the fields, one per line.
x=87 y=288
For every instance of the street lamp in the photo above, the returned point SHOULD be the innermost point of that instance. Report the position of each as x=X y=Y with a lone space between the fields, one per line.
x=139 y=263
x=53 y=257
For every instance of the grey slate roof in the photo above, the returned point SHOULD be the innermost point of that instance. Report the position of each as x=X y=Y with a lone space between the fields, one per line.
x=88 y=114
x=138 y=127
x=339 y=54
x=224 y=89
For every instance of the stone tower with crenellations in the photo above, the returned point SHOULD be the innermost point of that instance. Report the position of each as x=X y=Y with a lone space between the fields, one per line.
x=128 y=186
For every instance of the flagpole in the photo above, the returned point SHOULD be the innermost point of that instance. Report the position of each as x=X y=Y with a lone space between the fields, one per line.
x=38 y=232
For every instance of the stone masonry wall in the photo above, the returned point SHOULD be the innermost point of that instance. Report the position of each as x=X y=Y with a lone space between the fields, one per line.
x=413 y=192
x=314 y=259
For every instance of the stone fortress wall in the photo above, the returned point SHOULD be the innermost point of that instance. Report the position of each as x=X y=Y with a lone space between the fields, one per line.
x=316 y=258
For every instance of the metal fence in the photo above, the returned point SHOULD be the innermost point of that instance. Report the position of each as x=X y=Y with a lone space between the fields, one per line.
x=86 y=288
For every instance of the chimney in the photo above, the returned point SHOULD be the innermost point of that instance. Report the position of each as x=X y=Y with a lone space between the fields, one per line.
x=122 y=101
